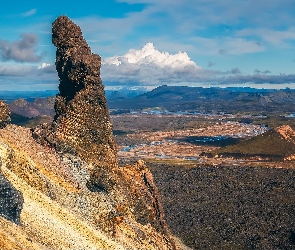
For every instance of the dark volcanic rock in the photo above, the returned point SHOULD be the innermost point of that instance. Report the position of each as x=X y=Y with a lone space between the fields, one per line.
x=4 y=114
x=82 y=124
x=11 y=200
x=227 y=207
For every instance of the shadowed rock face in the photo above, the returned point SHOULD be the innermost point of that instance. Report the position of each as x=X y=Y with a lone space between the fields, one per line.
x=11 y=200
x=4 y=114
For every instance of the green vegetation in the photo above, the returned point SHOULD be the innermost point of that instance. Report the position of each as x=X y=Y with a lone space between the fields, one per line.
x=270 y=144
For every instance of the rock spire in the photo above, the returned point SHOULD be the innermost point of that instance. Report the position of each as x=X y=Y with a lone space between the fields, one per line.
x=82 y=123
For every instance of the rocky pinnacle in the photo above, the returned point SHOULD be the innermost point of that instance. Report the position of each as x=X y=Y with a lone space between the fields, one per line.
x=82 y=123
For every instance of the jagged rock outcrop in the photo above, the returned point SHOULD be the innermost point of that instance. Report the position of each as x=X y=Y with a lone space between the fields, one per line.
x=4 y=114
x=75 y=194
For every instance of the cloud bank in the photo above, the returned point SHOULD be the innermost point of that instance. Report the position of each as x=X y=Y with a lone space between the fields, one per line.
x=146 y=67
x=258 y=79
x=28 y=77
x=150 y=67
x=22 y=50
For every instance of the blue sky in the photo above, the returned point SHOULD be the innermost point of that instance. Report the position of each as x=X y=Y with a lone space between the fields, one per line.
x=148 y=43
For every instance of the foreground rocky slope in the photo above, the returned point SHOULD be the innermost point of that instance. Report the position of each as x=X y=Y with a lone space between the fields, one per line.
x=63 y=180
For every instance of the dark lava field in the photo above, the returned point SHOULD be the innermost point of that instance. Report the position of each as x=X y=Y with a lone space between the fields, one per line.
x=229 y=207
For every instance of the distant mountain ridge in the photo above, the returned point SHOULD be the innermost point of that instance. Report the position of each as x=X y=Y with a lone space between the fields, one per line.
x=10 y=96
x=40 y=106
x=173 y=98
x=197 y=99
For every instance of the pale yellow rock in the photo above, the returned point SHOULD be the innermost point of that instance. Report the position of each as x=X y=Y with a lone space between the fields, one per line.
x=59 y=212
x=53 y=225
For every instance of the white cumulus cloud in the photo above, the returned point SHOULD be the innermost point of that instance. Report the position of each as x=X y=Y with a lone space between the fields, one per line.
x=149 y=55
x=150 y=66
x=43 y=65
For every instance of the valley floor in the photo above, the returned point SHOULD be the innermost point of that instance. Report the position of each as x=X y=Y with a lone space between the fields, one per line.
x=182 y=139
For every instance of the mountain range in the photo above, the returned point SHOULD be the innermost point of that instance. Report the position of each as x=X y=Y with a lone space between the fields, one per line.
x=173 y=99
x=208 y=100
